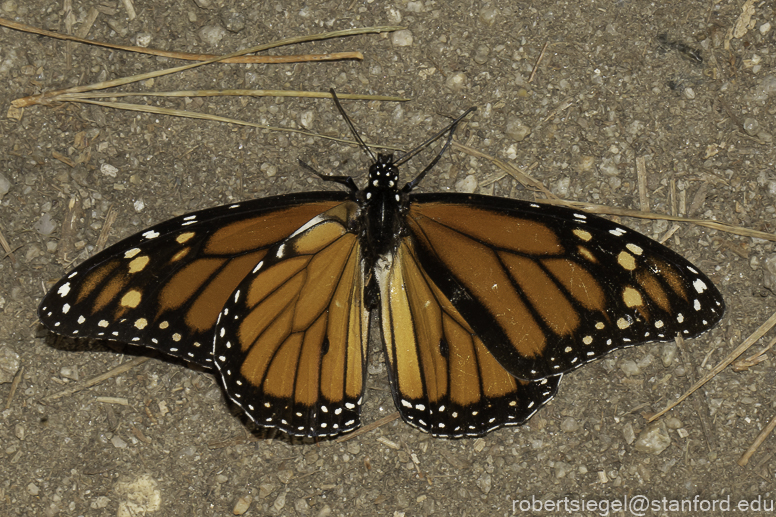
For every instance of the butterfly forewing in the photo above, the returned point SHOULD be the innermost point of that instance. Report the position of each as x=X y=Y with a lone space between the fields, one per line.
x=164 y=287
x=291 y=341
x=548 y=289
x=444 y=380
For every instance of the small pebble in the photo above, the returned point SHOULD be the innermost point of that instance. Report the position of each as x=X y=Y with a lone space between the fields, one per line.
x=769 y=273
x=212 y=34
x=280 y=502
x=402 y=38
x=585 y=164
x=108 y=170
x=628 y=433
x=673 y=423
x=668 y=354
x=653 y=439
x=45 y=226
x=561 y=469
x=268 y=169
x=100 y=502
x=306 y=119
x=143 y=39
x=9 y=363
x=285 y=476
x=301 y=506
x=233 y=20
x=630 y=368
x=456 y=82
x=569 y=425
x=5 y=186
x=265 y=489
x=488 y=15
x=467 y=185
x=484 y=483
x=516 y=130
x=69 y=372
x=242 y=505
x=751 y=126
x=481 y=54
x=118 y=442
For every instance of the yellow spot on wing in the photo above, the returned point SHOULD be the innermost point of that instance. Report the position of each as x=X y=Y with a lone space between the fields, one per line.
x=626 y=260
x=635 y=249
x=180 y=239
x=587 y=254
x=138 y=264
x=632 y=297
x=131 y=299
x=582 y=234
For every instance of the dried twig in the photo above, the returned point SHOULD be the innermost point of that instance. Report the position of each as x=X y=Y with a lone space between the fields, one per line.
x=299 y=58
x=69 y=227
x=592 y=208
x=744 y=459
x=102 y=239
x=756 y=358
x=369 y=427
x=137 y=361
x=641 y=174
x=700 y=409
x=7 y=249
x=14 y=386
x=538 y=61
x=46 y=98
x=760 y=332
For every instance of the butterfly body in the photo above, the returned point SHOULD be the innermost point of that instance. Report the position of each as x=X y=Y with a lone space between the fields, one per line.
x=484 y=302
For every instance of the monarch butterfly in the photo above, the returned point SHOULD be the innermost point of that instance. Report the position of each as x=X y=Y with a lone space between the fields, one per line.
x=484 y=302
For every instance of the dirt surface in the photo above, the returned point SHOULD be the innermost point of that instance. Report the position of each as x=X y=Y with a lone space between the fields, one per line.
x=608 y=91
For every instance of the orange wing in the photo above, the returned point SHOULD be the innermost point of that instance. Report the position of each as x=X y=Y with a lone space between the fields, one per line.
x=291 y=341
x=444 y=380
x=164 y=287
x=548 y=288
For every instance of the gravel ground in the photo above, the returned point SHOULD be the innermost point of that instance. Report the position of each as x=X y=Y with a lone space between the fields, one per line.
x=687 y=86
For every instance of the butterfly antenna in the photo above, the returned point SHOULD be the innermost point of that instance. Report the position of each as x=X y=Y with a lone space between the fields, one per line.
x=450 y=130
x=358 y=138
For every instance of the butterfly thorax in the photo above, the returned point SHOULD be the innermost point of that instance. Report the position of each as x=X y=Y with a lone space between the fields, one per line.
x=381 y=208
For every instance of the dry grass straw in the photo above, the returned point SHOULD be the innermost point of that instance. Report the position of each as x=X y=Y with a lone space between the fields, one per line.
x=91 y=94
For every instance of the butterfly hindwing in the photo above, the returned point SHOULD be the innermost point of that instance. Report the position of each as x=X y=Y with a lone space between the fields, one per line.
x=291 y=340
x=548 y=288
x=443 y=379
x=164 y=287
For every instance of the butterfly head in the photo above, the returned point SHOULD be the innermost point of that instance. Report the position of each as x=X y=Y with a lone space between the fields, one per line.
x=383 y=174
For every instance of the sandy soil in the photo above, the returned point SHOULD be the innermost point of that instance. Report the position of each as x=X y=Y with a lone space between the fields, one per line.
x=606 y=93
